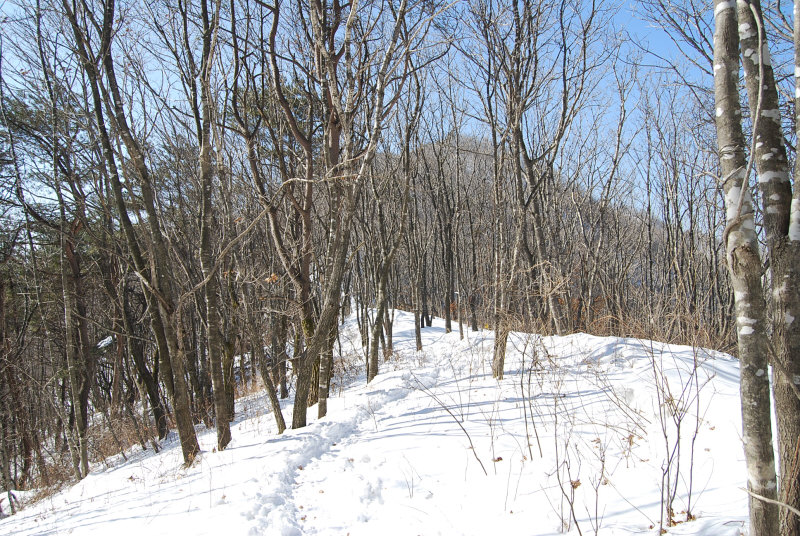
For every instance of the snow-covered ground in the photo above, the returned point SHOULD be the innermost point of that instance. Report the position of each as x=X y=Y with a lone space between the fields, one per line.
x=581 y=437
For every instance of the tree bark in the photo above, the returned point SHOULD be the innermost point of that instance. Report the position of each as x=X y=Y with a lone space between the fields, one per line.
x=326 y=371
x=74 y=346
x=269 y=385
x=136 y=351
x=216 y=352
x=776 y=197
x=172 y=367
x=744 y=265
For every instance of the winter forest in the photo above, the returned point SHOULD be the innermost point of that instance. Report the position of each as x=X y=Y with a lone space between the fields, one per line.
x=208 y=202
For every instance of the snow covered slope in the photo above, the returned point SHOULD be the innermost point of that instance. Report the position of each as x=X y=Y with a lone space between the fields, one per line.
x=585 y=435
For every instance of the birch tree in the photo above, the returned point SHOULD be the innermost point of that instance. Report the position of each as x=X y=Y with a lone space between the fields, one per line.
x=781 y=224
x=742 y=30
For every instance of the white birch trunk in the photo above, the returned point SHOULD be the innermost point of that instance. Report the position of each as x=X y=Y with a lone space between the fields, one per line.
x=744 y=264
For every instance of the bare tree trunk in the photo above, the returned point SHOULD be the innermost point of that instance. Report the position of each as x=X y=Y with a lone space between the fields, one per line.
x=269 y=385
x=326 y=371
x=388 y=330
x=75 y=351
x=377 y=326
x=776 y=197
x=548 y=270
x=172 y=367
x=318 y=335
x=136 y=351
x=744 y=264
x=216 y=351
x=280 y=332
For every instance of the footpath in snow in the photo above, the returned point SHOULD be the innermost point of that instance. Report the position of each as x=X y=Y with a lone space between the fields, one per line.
x=585 y=435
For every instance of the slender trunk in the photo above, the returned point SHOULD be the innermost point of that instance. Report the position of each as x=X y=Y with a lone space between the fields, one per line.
x=326 y=371
x=784 y=252
x=473 y=317
x=182 y=410
x=417 y=328
x=172 y=367
x=214 y=337
x=229 y=375
x=744 y=265
x=388 y=330
x=280 y=335
x=136 y=351
x=216 y=352
x=313 y=382
x=76 y=365
x=317 y=335
x=448 y=269
x=202 y=408
x=117 y=371
x=548 y=271
x=426 y=320
x=172 y=354
x=381 y=301
x=258 y=349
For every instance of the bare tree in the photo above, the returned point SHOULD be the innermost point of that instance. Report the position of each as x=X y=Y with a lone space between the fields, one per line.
x=386 y=190
x=163 y=314
x=354 y=85
x=744 y=263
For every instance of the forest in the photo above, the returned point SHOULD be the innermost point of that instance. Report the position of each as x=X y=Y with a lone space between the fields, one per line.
x=194 y=195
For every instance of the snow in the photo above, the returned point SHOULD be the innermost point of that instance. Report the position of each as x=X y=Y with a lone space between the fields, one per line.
x=794 y=220
x=775 y=115
x=722 y=6
x=769 y=176
x=745 y=32
x=435 y=445
x=766 y=58
x=732 y=202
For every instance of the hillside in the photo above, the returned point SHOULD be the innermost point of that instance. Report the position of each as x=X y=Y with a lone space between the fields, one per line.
x=579 y=438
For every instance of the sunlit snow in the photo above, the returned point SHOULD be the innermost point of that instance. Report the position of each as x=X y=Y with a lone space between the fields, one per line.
x=581 y=434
